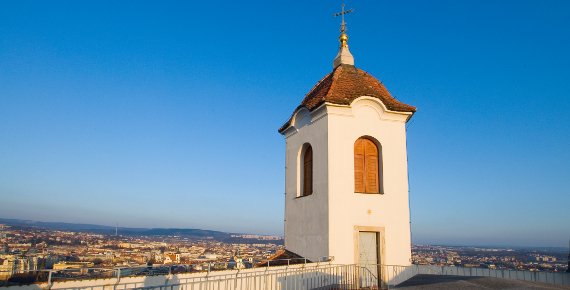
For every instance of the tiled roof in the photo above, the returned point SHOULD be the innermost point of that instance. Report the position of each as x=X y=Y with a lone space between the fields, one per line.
x=283 y=257
x=343 y=85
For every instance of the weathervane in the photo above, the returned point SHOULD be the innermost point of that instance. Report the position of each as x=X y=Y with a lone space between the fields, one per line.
x=343 y=36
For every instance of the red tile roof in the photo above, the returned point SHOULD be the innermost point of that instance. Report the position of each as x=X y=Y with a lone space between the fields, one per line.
x=283 y=257
x=343 y=85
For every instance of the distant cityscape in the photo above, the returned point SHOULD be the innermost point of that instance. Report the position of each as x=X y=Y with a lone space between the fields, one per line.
x=28 y=249
x=530 y=259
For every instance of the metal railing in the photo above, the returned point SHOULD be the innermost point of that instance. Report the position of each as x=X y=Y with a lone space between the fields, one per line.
x=320 y=275
x=50 y=276
x=393 y=275
x=306 y=276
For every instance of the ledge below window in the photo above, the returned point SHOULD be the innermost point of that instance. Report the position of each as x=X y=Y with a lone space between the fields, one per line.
x=301 y=196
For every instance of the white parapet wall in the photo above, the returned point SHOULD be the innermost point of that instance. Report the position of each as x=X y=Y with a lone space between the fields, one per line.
x=394 y=275
x=301 y=276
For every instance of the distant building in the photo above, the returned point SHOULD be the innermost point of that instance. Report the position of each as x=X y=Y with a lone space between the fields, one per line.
x=72 y=265
x=11 y=265
x=209 y=256
x=236 y=262
x=6 y=269
x=2 y=233
x=568 y=268
x=171 y=259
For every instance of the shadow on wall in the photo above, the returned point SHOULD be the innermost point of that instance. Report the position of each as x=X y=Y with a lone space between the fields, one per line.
x=314 y=280
x=25 y=281
x=157 y=281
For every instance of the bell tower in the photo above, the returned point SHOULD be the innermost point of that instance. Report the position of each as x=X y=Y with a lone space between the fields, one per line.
x=346 y=177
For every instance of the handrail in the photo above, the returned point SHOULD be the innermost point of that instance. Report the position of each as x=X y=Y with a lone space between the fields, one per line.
x=386 y=276
x=156 y=269
x=396 y=274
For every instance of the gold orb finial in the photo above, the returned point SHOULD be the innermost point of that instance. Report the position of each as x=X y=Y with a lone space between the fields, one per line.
x=343 y=40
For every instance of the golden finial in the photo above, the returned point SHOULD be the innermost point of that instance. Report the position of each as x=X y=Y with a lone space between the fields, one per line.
x=343 y=40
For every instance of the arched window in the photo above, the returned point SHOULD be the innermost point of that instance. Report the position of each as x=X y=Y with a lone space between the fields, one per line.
x=308 y=171
x=366 y=166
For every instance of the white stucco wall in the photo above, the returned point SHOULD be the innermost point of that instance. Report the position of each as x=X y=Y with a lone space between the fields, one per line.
x=390 y=210
x=306 y=218
x=253 y=278
x=323 y=224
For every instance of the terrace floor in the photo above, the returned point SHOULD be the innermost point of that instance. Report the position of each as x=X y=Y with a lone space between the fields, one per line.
x=428 y=282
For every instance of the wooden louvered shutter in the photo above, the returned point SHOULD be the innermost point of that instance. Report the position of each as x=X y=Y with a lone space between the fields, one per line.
x=359 y=168
x=371 y=166
x=308 y=171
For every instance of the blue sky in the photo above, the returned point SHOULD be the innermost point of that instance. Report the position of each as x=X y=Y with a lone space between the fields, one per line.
x=165 y=113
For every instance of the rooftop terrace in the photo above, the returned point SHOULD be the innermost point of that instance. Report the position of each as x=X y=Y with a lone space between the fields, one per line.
x=321 y=275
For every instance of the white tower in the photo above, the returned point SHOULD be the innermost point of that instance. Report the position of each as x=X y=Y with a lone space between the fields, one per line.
x=346 y=170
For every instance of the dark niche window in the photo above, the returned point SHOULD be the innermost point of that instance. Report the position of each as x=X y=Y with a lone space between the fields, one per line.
x=308 y=171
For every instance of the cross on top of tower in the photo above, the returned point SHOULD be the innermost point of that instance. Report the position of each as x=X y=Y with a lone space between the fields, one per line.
x=343 y=36
x=344 y=56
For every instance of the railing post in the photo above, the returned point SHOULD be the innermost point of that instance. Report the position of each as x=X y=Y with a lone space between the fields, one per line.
x=49 y=279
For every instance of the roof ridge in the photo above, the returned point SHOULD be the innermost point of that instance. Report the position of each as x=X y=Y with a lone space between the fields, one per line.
x=318 y=85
